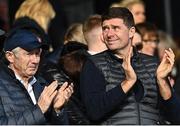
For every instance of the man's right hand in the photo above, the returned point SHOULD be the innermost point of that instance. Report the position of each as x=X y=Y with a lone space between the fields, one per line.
x=47 y=96
x=129 y=72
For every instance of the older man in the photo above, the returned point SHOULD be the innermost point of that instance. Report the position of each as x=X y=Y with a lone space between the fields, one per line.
x=24 y=98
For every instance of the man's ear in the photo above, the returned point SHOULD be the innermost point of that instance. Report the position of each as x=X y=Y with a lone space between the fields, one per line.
x=9 y=56
x=102 y=38
x=132 y=32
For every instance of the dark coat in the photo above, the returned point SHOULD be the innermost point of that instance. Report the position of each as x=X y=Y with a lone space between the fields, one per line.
x=105 y=101
x=16 y=106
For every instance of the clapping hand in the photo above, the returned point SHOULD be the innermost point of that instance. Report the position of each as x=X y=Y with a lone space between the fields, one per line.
x=166 y=64
x=162 y=72
x=47 y=96
x=62 y=96
x=129 y=71
x=130 y=74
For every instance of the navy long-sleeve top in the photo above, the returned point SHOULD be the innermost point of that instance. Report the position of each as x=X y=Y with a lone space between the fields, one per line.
x=98 y=102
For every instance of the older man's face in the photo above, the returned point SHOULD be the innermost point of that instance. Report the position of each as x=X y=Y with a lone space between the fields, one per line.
x=25 y=63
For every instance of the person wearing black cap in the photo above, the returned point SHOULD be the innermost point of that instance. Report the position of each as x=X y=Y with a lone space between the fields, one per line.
x=26 y=99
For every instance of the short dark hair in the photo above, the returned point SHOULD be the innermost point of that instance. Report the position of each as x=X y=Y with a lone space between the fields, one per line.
x=119 y=12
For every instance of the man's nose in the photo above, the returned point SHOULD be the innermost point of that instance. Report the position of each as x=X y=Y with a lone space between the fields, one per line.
x=110 y=32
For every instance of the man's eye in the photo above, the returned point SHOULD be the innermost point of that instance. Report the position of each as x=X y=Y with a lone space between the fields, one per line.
x=116 y=27
x=105 y=28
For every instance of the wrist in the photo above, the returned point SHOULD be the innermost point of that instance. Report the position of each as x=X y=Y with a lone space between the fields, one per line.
x=41 y=108
x=164 y=88
x=127 y=85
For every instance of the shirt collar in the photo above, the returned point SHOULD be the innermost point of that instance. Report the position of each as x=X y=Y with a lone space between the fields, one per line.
x=135 y=56
x=31 y=80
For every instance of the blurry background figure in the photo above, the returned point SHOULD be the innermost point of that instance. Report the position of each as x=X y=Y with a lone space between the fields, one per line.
x=4 y=19
x=36 y=16
x=93 y=34
x=2 y=38
x=74 y=33
x=150 y=38
x=4 y=22
x=137 y=40
x=39 y=10
x=165 y=42
x=73 y=39
x=72 y=63
x=137 y=8
x=68 y=68
x=67 y=12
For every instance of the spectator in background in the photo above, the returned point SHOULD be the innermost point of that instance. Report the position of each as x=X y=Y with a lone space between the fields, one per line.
x=27 y=99
x=92 y=30
x=4 y=19
x=2 y=38
x=68 y=68
x=75 y=33
x=72 y=63
x=137 y=40
x=137 y=8
x=73 y=37
x=165 y=42
x=68 y=12
x=36 y=16
x=150 y=40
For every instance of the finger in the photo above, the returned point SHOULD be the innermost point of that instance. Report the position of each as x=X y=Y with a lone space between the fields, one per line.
x=44 y=90
x=170 y=61
x=63 y=87
x=52 y=96
x=164 y=58
x=51 y=88
x=68 y=92
x=170 y=50
x=71 y=87
x=130 y=51
x=53 y=85
x=129 y=55
x=56 y=98
x=170 y=53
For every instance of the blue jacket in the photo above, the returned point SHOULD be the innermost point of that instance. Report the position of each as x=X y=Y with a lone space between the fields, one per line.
x=16 y=106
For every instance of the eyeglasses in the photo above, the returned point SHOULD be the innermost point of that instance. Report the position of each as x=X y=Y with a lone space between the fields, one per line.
x=151 y=41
